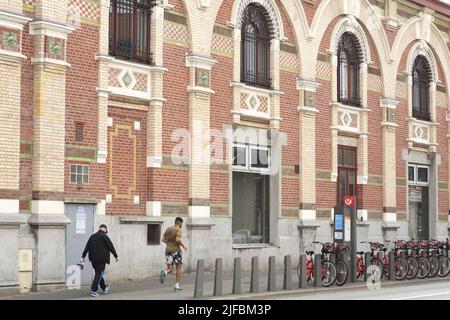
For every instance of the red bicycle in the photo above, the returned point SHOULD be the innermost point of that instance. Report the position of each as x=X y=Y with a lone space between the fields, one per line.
x=327 y=272
x=400 y=264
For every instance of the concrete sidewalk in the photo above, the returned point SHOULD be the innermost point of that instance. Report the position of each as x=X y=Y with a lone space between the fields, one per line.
x=151 y=289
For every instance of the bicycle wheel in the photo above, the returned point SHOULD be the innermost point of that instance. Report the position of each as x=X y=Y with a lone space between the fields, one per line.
x=342 y=273
x=444 y=266
x=377 y=262
x=413 y=268
x=434 y=266
x=401 y=268
x=424 y=267
x=328 y=273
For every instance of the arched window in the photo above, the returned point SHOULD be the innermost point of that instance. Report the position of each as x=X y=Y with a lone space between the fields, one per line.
x=348 y=70
x=421 y=75
x=255 y=47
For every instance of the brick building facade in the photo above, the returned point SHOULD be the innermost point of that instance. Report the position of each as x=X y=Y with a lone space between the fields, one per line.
x=95 y=123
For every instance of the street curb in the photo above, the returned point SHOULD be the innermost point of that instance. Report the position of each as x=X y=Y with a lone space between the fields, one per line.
x=350 y=287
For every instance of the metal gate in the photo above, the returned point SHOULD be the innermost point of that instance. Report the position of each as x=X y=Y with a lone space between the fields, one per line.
x=77 y=235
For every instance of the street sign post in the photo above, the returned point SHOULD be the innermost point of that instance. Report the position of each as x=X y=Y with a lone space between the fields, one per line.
x=350 y=213
x=345 y=230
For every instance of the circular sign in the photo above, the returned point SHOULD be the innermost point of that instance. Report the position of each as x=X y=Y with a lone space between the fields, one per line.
x=349 y=201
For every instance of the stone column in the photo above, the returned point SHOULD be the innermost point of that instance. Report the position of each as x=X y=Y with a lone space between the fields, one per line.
x=154 y=117
x=307 y=158
x=103 y=93
x=12 y=22
x=389 y=127
x=363 y=165
x=390 y=19
x=49 y=77
x=199 y=222
x=334 y=131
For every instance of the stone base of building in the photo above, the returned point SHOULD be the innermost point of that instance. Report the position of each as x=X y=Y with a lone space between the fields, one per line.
x=8 y=291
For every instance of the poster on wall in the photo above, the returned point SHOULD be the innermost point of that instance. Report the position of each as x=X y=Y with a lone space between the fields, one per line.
x=80 y=217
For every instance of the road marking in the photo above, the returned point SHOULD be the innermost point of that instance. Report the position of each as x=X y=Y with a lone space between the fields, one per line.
x=423 y=296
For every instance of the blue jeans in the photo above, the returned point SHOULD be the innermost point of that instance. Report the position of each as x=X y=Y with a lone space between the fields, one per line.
x=99 y=277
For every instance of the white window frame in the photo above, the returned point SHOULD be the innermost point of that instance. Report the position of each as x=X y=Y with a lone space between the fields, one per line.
x=248 y=160
x=83 y=166
x=241 y=168
x=421 y=183
x=259 y=170
x=412 y=182
x=416 y=181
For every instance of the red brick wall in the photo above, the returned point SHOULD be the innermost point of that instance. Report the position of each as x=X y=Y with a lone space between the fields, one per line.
x=82 y=107
x=310 y=10
x=126 y=162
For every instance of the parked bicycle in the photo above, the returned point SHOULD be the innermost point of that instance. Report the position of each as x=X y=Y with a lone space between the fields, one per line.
x=341 y=267
x=382 y=261
x=427 y=250
x=327 y=272
x=441 y=249
x=401 y=246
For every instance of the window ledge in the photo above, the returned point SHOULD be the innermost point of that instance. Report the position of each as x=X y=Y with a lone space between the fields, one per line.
x=12 y=55
x=255 y=88
x=136 y=65
x=49 y=61
x=428 y=123
x=346 y=106
x=253 y=246
x=140 y=220
x=389 y=124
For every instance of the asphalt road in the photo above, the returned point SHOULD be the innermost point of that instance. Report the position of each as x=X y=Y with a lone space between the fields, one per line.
x=435 y=290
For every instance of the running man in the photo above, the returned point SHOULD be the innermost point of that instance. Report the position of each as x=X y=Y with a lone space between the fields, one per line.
x=172 y=239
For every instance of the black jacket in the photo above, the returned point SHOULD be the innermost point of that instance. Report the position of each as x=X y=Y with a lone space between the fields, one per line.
x=99 y=247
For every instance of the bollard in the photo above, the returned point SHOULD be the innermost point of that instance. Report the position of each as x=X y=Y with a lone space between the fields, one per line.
x=346 y=257
x=380 y=256
x=199 y=279
x=302 y=270
x=391 y=273
x=218 y=278
x=237 y=276
x=367 y=264
x=254 y=283
x=317 y=275
x=272 y=283
x=287 y=283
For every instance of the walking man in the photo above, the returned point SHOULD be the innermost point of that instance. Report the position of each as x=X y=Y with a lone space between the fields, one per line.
x=172 y=239
x=99 y=247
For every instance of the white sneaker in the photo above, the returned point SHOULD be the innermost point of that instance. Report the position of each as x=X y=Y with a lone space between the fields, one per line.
x=177 y=288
